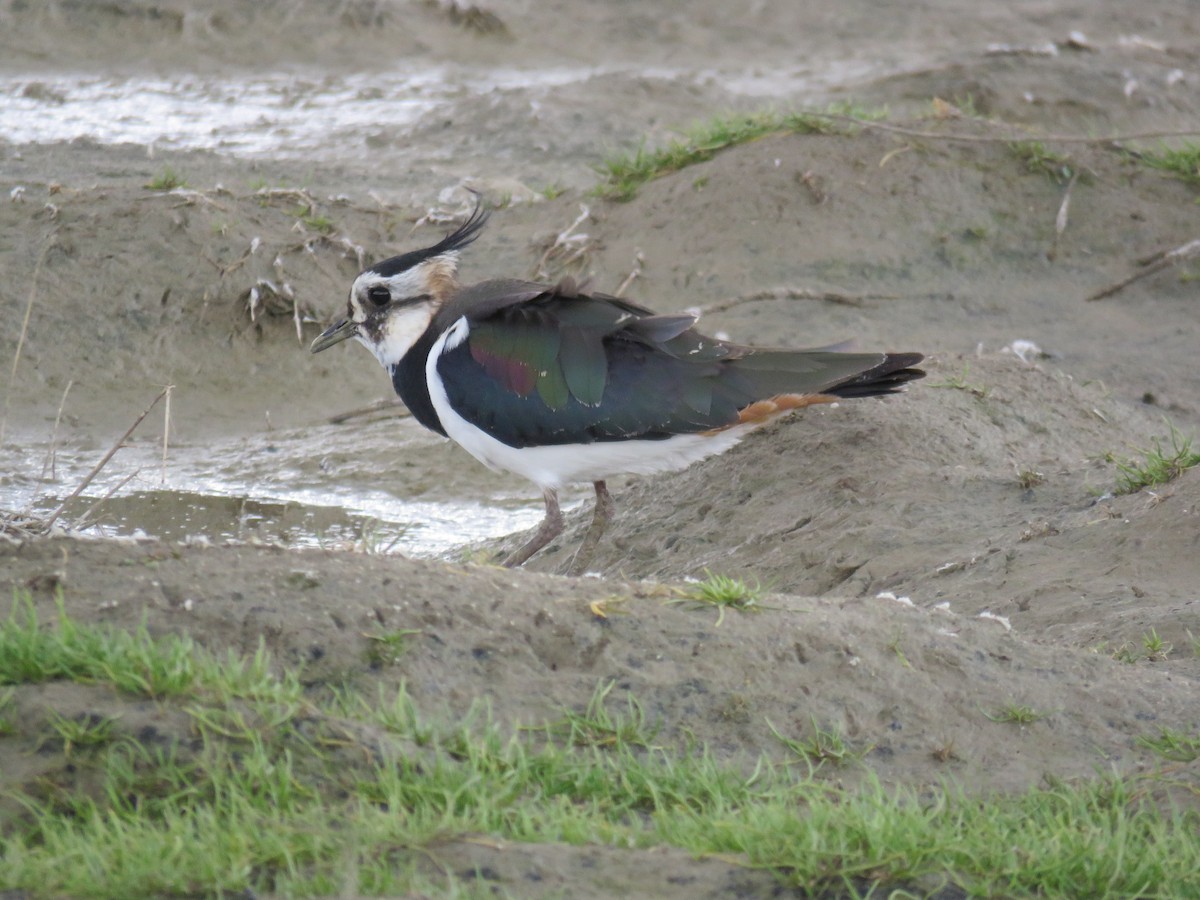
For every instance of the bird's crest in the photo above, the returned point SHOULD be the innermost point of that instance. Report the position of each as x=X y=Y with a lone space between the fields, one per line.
x=456 y=240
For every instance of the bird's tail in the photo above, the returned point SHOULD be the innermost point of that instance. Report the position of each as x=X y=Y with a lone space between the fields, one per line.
x=888 y=377
x=829 y=373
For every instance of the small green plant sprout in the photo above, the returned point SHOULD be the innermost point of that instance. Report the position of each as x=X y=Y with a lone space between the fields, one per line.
x=388 y=648
x=608 y=606
x=1159 y=464
x=7 y=725
x=959 y=383
x=1029 y=478
x=1182 y=162
x=83 y=731
x=166 y=180
x=372 y=534
x=313 y=220
x=1042 y=161
x=1015 y=713
x=1195 y=643
x=622 y=175
x=597 y=727
x=724 y=592
x=553 y=191
x=965 y=104
x=1157 y=649
x=824 y=746
x=894 y=646
x=1173 y=745
x=945 y=751
x=1125 y=653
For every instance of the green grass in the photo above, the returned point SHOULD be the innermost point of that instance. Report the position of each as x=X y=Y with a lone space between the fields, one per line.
x=1040 y=160
x=8 y=724
x=622 y=175
x=1159 y=464
x=960 y=383
x=723 y=592
x=1182 y=162
x=166 y=180
x=1173 y=745
x=272 y=791
x=1156 y=648
x=597 y=727
x=82 y=732
x=314 y=220
x=1027 y=479
x=132 y=662
x=1015 y=713
x=823 y=746
x=388 y=647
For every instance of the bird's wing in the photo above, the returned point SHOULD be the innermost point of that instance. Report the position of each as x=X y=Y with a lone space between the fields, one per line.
x=544 y=365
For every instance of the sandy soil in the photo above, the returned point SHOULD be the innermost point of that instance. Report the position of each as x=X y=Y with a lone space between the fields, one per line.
x=906 y=241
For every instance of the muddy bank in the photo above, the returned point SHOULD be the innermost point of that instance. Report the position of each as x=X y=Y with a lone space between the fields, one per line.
x=989 y=487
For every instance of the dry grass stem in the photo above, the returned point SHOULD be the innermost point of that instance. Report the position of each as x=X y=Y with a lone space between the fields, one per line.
x=84 y=520
x=166 y=429
x=1060 y=221
x=567 y=248
x=391 y=407
x=33 y=283
x=1152 y=266
x=79 y=489
x=51 y=461
x=795 y=294
x=634 y=273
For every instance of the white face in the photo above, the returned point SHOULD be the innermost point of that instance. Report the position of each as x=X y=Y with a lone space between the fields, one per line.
x=392 y=313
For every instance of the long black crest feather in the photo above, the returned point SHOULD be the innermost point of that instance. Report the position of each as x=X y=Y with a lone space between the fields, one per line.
x=456 y=240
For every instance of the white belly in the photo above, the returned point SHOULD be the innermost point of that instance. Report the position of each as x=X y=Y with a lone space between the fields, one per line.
x=553 y=466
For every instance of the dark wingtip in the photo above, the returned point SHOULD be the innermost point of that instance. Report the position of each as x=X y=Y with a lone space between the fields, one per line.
x=888 y=377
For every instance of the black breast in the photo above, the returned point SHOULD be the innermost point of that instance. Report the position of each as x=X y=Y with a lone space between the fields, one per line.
x=408 y=378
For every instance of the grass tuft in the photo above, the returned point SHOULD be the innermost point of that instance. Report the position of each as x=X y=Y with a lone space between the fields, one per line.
x=8 y=724
x=269 y=791
x=1040 y=160
x=1182 y=162
x=1015 y=713
x=597 y=727
x=1157 y=650
x=1158 y=465
x=624 y=174
x=724 y=592
x=960 y=383
x=1173 y=745
x=824 y=746
x=166 y=180
x=388 y=648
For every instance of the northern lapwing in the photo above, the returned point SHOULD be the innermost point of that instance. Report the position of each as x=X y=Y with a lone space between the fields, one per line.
x=562 y=385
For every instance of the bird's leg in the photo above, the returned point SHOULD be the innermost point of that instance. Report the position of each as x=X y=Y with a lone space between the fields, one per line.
x=601 y=516
x=550 y=528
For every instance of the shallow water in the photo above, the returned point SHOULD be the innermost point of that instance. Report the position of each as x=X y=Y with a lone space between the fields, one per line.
x=288 y=116
x=301 y=488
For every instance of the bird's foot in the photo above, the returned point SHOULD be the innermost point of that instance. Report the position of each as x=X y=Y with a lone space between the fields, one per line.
x=601 y=515
x=550 y=528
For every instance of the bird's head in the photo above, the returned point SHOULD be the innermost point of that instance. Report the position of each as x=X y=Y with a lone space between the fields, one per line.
x=392 y=303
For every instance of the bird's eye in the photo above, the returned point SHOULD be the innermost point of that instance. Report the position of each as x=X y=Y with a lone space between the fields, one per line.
x=379 y=295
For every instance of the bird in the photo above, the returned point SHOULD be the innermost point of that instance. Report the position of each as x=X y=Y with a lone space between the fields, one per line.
x=564 y=385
